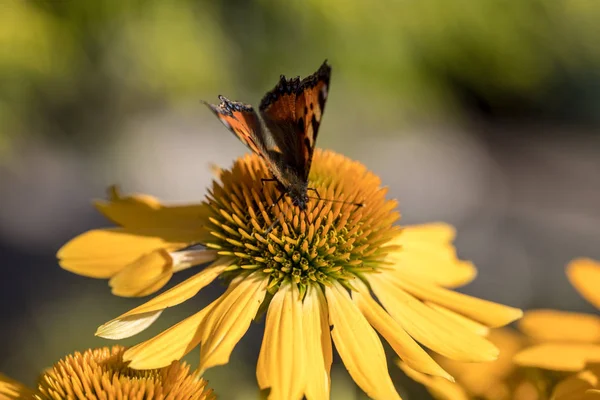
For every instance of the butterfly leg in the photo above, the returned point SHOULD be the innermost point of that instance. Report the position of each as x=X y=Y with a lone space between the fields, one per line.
x=316 y=192
x=281 y=196
x=270 y=228
x=263 y=180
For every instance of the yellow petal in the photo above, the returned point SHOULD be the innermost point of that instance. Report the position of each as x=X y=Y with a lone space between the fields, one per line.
x=406 y=348
x=440 y=388
x=144 y=276
x=439 y=232
x=473 y=326
x=525 y=390
x=169 y=345
x=584 y=274
x=427 y=326
x=488 y=313
x=127 y=325
x=426 y=252
x=482 y=379
x=551 y=325
x=558 y=356
x=317 y=339
x=143 y=211
x=592 y=394
x=101 y=253
x=141 y=317
x=358 y=345
x=282 y=362
x=575 y=387
x=11 y=389
x=230 y=318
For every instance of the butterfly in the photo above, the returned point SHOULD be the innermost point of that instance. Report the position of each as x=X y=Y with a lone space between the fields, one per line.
x=285 y=133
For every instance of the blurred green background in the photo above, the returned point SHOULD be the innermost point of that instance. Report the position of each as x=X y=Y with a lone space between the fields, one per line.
x=480 y=113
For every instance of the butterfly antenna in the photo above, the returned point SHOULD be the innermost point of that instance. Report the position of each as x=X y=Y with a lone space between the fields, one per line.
x=318 y=197
x=272 y=226
x=352 y=203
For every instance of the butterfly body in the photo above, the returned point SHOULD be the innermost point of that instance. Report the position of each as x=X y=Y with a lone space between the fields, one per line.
x=285 y=133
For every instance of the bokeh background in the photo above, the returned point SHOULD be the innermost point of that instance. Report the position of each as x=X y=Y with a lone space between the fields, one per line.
x=484 y=114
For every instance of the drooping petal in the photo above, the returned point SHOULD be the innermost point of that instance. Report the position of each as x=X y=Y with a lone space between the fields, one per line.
x=584 y=274
x=491 y=314
x=169 y=345
x=101 y=253
x=138 y=319
x=282 y=360
x=440 y=388
x=230 y=318
x=144 y=276
x=315 y=322
x=429 y=327
x=152 y=271
x=358 y=345
x=427 y=252
x=127 y=325
x=406 y=348
x=552 y=325
x=143 y=211
x=559 y=356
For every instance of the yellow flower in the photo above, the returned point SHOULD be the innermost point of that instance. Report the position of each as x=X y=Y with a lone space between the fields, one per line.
x=102 y=374
x=318 y=274
x=568 y=341
x=497 y=380
x=583 y=385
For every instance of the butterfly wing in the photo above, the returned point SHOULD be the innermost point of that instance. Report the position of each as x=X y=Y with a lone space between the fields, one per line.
x=278 y=111
x=310 y=105
x=242 y=120
x=292 y=112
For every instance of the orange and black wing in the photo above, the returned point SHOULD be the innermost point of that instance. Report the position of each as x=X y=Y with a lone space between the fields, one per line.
x=292 y=112
x=310 y=105
x=242 y=120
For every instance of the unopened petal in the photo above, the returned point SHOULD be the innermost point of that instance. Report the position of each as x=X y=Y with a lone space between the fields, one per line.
x=358 y=345
x=491 y=314
x=169 y=345
x=406 y=348
x=429 y=327
x=440 y=388
x=101 y=253
x=551 y=325
x=584 y=274
x=138 y=319
x=230 y=318
x=144 y=276
x=559 y=356
x=144 y=211
x=282 y=366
